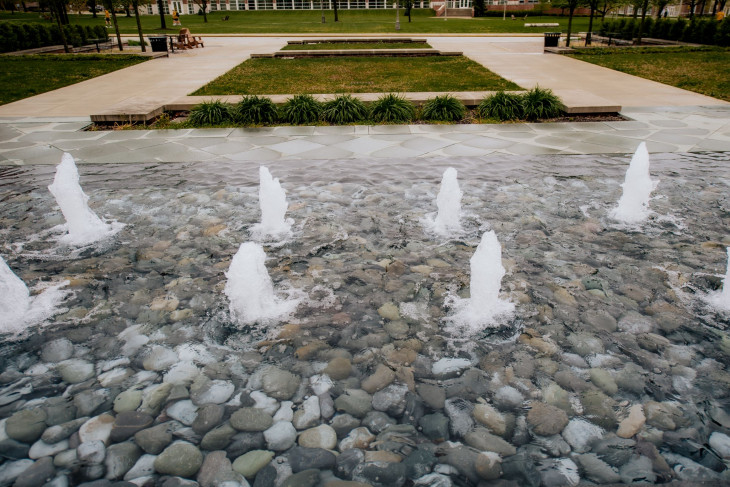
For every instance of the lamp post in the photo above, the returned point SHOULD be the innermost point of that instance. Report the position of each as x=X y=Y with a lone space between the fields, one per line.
x=446 y=9
x=397 y=15
x=504 y=12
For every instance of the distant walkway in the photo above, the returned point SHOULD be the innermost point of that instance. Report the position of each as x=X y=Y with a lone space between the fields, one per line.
x=519 y=59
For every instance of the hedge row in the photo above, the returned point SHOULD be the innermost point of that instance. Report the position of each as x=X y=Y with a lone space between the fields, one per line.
x=698 y=31
x=16 y=37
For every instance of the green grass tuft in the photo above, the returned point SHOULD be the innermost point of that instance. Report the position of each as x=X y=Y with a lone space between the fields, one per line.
x=210 y=113
x=501 y=106
x=443 y=108
x=538 y=104
x=301 y=109
x=255 y=110
x=392 y=108
x=344 y=109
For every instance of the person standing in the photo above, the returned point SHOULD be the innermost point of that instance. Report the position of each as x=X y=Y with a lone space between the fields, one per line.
x=175 y=17
x=107 y=18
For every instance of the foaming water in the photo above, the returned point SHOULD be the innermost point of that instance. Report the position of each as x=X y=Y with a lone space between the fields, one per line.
x=18 y=309
x=448 y=201
x=83 y=225
x=633 y=206
x=273 y=204
x=721 y=299
x=484 y=308
x=250 y=290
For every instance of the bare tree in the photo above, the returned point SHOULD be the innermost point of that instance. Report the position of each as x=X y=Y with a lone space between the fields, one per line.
x=203 y=4
x=572 y=4
x=161 y=10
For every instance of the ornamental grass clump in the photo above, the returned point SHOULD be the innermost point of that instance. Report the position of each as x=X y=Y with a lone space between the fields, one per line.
x=210 y=113
x=538 y=104
x=256 y=110
x=392 y=108
x=443 y=108
x=344 y=109
x=301 y=109
x=502 y=106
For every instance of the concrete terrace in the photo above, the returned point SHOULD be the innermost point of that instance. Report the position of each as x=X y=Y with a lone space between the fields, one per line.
x=38 y=129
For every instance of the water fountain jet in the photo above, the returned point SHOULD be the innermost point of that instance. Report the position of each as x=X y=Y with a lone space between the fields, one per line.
x=484 y=308
x=84 y=226
x=633 y=206
x=250 y=290
x=721 y=299
x=272 y=201
x=448 y=201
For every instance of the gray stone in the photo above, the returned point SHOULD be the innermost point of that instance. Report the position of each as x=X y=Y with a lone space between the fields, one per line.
x=218 y=438
x=354 y=402
x=26 y=425
x=143 y=467
x=120 y=458
x=306 y=478
x=209 y=416
x=377 y=421
x=91 y=402
x=41 y=449
x=434 y=396
x=60 y=432
x=59 y=410
x=216 y=470
x=546 y=420
x=483 y=440
x=637 y=469
x=380 y=474
x=37 y=474
x=128 y=423
x=488 y=465
x=74 y=371
x=57 y=350
x=206 y=391
x=558 y=472
x=343 y=424
x=597 y=470
x=381 y=377
x=91 y=452
x=463 y=459
x=13 y=450
x=266 y=477
x=155 y=439
x=419 y=463
x=281 y=436
x=391 y=399
x=435 y=427
x=459 y=412
x=9 y=471
x=251 y=419
x=251 y=462
x=280 y=384
x=614 y=450
x=521 y=469
x=347 y=461
x=181 y=459
x=184 y=411
x=301 y=458
x=245 y=442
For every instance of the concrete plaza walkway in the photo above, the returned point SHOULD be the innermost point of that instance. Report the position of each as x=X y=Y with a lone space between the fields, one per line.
x=38 y=130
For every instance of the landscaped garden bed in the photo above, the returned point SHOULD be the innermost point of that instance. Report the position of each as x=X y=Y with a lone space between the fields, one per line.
x=356 y=75
x=337 y=45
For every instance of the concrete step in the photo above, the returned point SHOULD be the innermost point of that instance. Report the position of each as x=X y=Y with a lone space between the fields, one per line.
x=356 y=52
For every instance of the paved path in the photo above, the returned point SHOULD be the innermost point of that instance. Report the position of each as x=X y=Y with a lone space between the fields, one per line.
x=522 y=61
x=519 y=59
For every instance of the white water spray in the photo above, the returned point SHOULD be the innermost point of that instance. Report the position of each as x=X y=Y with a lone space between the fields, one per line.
x=17 y=308
x=721 y=299
x=250 y=290
x=272 y=200
x=448 y=201
x=633 y=206
x=84 y=227
x=484 y=308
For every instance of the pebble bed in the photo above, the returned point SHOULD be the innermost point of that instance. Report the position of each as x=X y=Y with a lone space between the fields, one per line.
x=612 y=371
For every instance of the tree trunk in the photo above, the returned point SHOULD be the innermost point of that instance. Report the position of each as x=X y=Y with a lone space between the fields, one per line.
x=162 y=15
x=590 y=27
x=25 y=7
x=335 y=3
x=64 y=14
x=570 y=25
x=135 y=6
x=55 y=9
x=116 y=25
x=644 y=8
x=93 y=8
x=205 y=14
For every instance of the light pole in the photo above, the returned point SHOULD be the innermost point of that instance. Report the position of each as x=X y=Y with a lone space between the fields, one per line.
x=446 y=9
x=397 y=16
x=504 y=12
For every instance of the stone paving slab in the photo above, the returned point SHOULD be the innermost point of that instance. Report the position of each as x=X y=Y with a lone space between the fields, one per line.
x=701 y=129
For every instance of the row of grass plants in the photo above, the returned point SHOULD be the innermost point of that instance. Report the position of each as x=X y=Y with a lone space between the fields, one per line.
x=15 y=37
x=697 y=31
x=355 y=45
x=344 y=109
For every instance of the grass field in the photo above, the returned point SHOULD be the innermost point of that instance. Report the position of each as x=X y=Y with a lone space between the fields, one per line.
x=355 y=75
x=309 y=21
x=703 y=70
x=355 y=45
x=24 y=76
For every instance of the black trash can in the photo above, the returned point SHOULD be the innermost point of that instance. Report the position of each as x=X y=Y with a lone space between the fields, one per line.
x=551 y=39
x=158 y=43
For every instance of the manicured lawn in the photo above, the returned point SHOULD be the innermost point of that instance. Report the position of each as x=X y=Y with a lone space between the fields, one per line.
x=703 y=70
x=355 y=75
x=24 y=76
x=308 y=21
x=355 y=45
